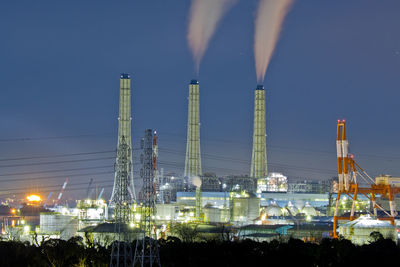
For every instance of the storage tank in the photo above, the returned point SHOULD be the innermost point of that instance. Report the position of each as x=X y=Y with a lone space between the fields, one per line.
x=308 y=210
x=216 y=215
x=56 y=223
x=273 y=210
x=245 y=208
x=359 y=230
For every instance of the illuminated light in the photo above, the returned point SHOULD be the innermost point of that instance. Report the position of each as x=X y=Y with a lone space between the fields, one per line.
x=132 y=225
x=13 y=211
x=33 y=198
x=308 y=218
x=137 y=216
x=22 y=221
x=27 y=228
x=12 y=223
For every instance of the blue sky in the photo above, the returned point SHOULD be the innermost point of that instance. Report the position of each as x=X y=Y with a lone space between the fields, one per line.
x=60 y=65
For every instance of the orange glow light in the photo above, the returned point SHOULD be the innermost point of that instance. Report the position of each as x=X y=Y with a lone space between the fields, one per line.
x=13 y=211
x=33 y=198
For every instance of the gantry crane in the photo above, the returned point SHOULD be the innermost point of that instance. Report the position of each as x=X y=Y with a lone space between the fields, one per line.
x=349 y=186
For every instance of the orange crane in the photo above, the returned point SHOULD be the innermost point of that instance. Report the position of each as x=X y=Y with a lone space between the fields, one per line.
x=349 y=186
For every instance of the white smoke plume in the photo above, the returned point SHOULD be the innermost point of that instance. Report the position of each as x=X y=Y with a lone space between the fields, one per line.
x=268 y=24
x=196 y=181
x=204 y=18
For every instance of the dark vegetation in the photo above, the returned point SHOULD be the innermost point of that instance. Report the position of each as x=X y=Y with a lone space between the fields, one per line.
x=174 y=252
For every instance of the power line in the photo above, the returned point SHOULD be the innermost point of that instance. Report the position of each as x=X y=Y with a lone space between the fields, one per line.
x=54 y=162
x=58 y=170
x=24 y=139
x=58 y=155
x=271 y=164
x=48 y=191
x=57 y=176
x=53 y=186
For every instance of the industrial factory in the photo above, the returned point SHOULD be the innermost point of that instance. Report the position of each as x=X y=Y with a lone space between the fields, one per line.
x=260 y=205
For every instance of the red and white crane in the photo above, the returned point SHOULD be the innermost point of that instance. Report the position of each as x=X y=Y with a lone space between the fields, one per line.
x=62 y=191
x=349 y=186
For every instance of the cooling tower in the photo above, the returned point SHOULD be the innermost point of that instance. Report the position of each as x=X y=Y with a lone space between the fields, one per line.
x=193 y=155
x=259 y=154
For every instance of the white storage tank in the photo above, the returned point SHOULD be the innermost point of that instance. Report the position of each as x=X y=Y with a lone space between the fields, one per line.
x=359 y=230
x=55 y=223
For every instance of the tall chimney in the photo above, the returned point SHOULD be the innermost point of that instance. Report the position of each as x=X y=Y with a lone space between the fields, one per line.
x=124 y=189
x=259 y=154
x=193 y=155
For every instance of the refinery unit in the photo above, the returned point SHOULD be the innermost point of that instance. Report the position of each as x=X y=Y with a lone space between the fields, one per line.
x=259 y=206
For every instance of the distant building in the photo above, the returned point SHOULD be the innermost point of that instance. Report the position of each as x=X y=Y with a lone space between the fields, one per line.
x=274 y=182
x=237 y=183
x=307 y=186
x=210 y=183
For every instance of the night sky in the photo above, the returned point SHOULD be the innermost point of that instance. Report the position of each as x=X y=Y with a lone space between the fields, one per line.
x=59 y=81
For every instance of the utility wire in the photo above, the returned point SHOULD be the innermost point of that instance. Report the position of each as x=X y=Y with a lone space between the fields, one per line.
x=24 y=139
x=58 y=170
x=53 y=186
x=58 y=155
x=54 y=162
x=56 y=176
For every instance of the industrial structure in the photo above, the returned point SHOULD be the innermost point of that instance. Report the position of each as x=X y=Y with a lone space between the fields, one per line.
x=259 y=154
x=348 y=184
x=260 y=206
x=123 y=194
x=146 y=251
x=126 y=186
x=193 y=155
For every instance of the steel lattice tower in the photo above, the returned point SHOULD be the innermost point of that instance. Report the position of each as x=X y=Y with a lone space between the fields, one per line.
x=146 y=252
x=193 y=155
x=123 y=194
x=124 y=135
x=259 y=154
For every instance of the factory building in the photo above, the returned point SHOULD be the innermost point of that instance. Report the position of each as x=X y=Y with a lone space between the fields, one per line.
x=237 y=183
x=274 y=182
x=309 y=186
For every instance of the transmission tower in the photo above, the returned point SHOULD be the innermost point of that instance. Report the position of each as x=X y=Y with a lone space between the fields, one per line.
x=121 y=252
x=146 y=251
x=123 y=194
